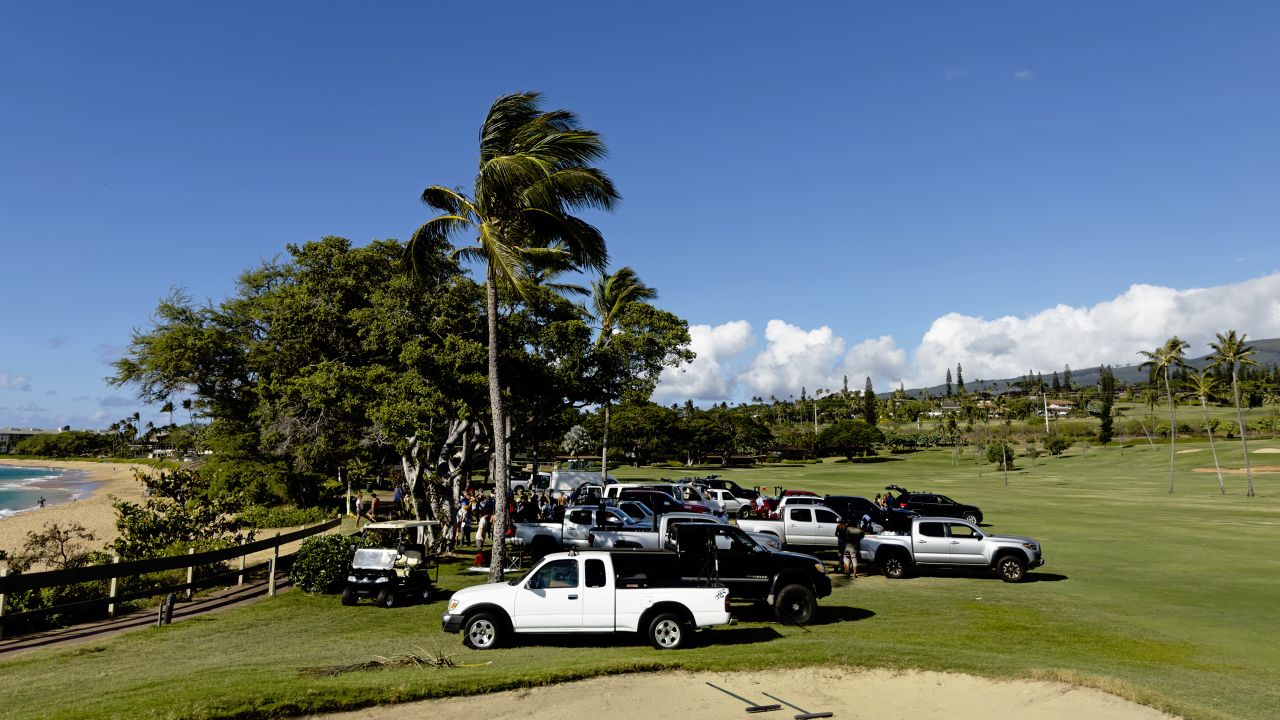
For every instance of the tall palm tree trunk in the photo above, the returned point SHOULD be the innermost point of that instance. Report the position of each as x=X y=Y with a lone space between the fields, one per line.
x=1244 y=442
x=1204 y=410
x=500 y=465
x=1173 y=428
x=604 y=448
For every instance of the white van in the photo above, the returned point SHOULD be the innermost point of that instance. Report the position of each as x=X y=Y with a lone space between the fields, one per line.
x=559 y=482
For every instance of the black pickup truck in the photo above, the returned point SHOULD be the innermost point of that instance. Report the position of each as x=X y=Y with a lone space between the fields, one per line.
x=789 y=582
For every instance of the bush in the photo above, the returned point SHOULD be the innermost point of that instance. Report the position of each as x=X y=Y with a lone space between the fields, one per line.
x=259 y=516
x=1056 y=444
x=1001 y=454
x=322 y=561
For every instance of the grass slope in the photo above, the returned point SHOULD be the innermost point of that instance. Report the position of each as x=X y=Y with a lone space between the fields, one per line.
x=1165 y=599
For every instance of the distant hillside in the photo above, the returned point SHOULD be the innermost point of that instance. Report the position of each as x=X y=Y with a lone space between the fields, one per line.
x=1266 y=354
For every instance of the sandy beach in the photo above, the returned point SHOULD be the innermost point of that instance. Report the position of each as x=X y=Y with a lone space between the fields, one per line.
x=94 y=512
x=846 y=692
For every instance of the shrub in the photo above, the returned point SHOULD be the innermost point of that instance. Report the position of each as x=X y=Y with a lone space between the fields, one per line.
x=1001 y=454
x=1056 y=444
x=322 y=561
x=259 y=516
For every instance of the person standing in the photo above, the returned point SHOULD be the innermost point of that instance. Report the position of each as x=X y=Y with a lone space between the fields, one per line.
x=842 y=545
x=373 y=507
x=359 y=508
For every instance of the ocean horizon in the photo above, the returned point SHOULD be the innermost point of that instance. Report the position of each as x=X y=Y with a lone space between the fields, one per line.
x=22 y=487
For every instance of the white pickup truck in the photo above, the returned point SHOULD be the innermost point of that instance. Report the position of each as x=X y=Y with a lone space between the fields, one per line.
x=812 y=526
x=951 y=542
x=590 y=592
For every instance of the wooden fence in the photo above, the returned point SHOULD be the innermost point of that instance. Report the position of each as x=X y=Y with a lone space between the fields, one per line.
x=55 y=578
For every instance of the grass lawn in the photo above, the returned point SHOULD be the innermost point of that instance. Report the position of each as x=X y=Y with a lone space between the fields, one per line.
x=1169 y=600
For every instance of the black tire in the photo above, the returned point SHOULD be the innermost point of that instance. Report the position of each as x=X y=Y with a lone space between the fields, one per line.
x=349 y=596
x=795 y=605
x=667 y=631
x=744 y=512
x=1011 y=568
x=482 y=631
x=895 y=566
x=386 y=598
x=971 y=518
x=426 y=595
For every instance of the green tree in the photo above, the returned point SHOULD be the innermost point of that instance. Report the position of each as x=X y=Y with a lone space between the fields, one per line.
x=948 y=382
x=535 y=172
x=1203 y=385
x=1231 y=353
x=1106 y=424
x=851 y=438
x=1163 y=360
x=959 y=379
x=869 y=404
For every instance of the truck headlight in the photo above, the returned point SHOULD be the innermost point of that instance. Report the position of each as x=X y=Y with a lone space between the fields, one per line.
x=382 y=580
x=453 y=605
x=822 y=569
x=351 y=578
x=1030 y=546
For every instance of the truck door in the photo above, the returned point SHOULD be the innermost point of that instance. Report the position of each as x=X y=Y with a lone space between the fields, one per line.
x=597 y=597
x=551 y=598
x=577 y=524
x=799 y=530
x=824 y=527
x=931 y=544
x=966 y=544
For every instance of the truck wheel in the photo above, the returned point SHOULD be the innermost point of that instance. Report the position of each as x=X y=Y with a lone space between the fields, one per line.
x=482 y=632
x=1011 y=568
x=970 y=518
x=744 y=512
x=387 y=598
x=894 y=567
x=795 y=605
x=348 y=596
x=667 y=631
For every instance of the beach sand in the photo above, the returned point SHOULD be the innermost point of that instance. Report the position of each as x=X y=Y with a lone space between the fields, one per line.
x=847 y=692
x=94 y=512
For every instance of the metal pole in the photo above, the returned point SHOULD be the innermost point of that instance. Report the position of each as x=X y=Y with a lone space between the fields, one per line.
x=191 y=576
x=275 y=555
x=240 y=578
x=115 y=581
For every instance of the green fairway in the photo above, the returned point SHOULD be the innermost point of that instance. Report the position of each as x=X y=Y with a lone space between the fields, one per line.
x=1167 y=599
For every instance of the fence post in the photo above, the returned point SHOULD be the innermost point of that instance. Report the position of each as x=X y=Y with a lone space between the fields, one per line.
x=191 y=576
x=275 y=555
x=4 y=573
x=240 y=578
x=111 y=609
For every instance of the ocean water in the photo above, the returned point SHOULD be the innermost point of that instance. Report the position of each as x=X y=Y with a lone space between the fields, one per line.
x=21 y=488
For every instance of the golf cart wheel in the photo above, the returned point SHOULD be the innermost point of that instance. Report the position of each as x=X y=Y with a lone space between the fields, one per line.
x=1011 y=569
x=349 y=596
x=387 y=598
x=426 y=595
x=482 y=632
x=795 y=605
x=667 y=631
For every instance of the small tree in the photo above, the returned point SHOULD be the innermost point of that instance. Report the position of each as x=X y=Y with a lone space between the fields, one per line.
x=1000 y=453
x=851 y=438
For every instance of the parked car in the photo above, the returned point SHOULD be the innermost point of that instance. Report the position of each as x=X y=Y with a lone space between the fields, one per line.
x=949 y=542
x=935 y=505
x=803 y=526
x=660 y=502
x=718 y=483
x=853 y=507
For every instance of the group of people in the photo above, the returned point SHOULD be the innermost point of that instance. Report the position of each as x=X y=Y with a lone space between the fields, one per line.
x=476 y=512
x=849 y=542
x=372 y=508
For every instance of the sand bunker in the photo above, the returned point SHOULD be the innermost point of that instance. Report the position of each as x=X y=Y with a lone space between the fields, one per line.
x=1240 y=471
x=1190 y=450
x=864 y=694
x=1268 y=451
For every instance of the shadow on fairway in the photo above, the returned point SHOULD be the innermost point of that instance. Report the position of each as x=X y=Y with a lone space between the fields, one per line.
x=717 y=636
x=1043 y=577
x=826 y=614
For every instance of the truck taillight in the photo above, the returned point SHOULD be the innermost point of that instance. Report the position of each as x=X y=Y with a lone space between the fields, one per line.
x=511 y=531
x=726 y=603
x=591 y=539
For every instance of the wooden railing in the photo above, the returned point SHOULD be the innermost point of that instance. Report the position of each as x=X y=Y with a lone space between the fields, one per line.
x=56 y=578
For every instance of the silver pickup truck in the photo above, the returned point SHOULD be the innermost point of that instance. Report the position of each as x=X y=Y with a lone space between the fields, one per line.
x=954 y=543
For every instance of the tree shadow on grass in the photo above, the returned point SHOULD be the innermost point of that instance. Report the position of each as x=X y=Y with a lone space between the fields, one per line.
x=868 y=460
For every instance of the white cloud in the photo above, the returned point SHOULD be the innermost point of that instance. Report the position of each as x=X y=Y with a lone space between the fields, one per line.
x=793 y=359
x=1109 y=332
x=116 y=401
x=707 y=377
x=1024 y=76
x=16 y=382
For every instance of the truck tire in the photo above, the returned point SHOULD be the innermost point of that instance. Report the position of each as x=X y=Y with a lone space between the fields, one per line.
x=387 y=598
x=895 y=566
x=970 y=518
x=795 y=605
x=1011 y=568
x=349 y=596
x=667 y=631
x=744 y=512
x=482 y=631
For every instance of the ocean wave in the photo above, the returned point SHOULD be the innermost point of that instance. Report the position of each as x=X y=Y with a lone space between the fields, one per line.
x=27 y=482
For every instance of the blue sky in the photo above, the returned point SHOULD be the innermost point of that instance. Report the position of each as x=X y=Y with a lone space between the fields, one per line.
x=822 y=190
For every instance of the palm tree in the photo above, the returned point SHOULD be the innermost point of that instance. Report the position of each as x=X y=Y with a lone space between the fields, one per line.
x=168 y=408
x=1162 y=360
x=188 y=405
x=1203 y=385
x=534 y=172
x=1230 y=351
x=610 y=296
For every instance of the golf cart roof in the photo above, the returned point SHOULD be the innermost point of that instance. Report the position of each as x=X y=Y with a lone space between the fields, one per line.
x=400 y=524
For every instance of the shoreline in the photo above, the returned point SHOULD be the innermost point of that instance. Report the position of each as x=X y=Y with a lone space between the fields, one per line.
x=92 y=486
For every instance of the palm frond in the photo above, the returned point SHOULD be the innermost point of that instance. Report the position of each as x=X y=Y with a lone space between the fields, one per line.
x=446 y=200
x=580 y=239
